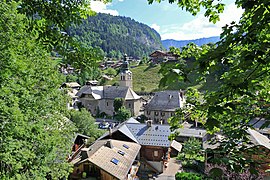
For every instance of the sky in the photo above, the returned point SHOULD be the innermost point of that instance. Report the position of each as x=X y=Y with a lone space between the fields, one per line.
x=170 y=21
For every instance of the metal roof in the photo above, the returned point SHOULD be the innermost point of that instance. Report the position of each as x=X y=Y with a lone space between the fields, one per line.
x=192 y=132
x=154 y=135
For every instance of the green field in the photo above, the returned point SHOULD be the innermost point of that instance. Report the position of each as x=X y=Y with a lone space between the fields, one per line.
x=146 y=79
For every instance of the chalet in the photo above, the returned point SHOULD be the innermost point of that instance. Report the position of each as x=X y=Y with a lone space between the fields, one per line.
x=163 y=105
x=153 y=138
x=160 y=56
x=107 y=159
x=184 y=134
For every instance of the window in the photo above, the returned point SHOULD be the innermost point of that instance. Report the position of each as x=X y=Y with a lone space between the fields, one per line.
x=125 y=146
x=121 y=152
x=156 y=113
x=148 y=112
x=172 y=114
x=156 y=153
x=115 y=161
x=129 y=105
x=107 y=103
x=162 y=113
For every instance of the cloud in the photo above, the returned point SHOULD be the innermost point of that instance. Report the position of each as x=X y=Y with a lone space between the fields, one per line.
x=155 y=27
x=100 y=7
x=200 y=26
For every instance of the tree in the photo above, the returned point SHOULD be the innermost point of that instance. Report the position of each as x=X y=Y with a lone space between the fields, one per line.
x=118 y=103
x=123 y=114
x=240 y=62
x=35 y=136
x=85 y=123
x=192 y=151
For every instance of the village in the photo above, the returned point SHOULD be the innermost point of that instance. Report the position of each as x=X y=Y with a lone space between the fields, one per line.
x=144 y=146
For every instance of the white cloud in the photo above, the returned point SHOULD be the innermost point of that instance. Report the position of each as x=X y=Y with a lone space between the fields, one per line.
x=156 y=27
x=120 y=0
x=100 y=7
x=200 y=27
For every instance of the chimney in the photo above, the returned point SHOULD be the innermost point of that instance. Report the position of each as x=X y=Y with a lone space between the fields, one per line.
x=181 y=94
x=109 y=144
x=149 y=123
x=110 y=132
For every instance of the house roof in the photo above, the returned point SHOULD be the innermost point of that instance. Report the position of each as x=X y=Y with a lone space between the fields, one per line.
x=72 y=84
x=108 y=92
x=165 y=101
x=154 y=135
x=255 y=137
x=102 y=153
x=157 y=52
x=259 y=139
x=192 y=132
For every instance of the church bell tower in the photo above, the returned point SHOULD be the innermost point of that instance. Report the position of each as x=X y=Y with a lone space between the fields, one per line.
x=125 y=74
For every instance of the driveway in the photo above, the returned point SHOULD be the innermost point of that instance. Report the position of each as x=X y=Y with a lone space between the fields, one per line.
x=173 y=167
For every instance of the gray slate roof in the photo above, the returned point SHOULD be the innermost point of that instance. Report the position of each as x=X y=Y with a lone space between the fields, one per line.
x=156 y=135
x=165 y=101
x=109 y=92
x=192 y=132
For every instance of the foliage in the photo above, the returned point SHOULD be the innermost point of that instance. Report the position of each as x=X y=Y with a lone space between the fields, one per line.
x=192 y=151
x=190 y=111
x=110 y=72
x=85 y=123
x=35 y=136
x=123 y=114
x=118 y=103
x=188 y=176
x=116 y=36
x=241 y=66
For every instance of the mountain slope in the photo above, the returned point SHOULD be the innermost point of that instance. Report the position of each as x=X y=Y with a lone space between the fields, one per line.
x=170 y=42
x=117 y=35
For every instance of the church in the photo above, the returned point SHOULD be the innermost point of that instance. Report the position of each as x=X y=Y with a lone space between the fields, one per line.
x=100 y=99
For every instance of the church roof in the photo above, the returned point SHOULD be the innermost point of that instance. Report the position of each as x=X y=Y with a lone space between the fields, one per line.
x=108 y=92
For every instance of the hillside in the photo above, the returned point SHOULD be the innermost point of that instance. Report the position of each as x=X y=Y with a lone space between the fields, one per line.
x=170 y=42
x=117 y=35
x=146 y=79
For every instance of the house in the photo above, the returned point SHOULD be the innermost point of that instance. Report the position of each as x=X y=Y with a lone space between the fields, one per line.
x=184 y=134
x=158 y=56
x=153 y=138
x=72 y=89
x=257 y=149
x=98 y=99
x=163 y=105
x=107 y=159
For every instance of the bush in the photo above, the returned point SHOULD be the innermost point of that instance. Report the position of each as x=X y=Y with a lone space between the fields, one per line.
x=188 y=176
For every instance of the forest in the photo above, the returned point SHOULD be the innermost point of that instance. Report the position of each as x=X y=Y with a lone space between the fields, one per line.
x=116 y=36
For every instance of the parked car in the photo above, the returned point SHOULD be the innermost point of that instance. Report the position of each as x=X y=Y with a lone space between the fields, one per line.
x=103 y=125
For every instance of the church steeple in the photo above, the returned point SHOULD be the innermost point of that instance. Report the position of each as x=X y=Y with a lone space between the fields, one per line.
x=125 y=74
